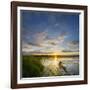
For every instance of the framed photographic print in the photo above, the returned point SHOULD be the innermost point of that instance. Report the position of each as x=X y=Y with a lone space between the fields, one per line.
x=48 y=44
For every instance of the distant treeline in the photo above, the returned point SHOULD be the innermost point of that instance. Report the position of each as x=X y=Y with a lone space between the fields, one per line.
x=65 y=56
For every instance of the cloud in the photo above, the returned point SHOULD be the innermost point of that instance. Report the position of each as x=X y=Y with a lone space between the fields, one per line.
x=74 y=42
x=67 y=51
x=73 y=45
x=39 y=37
x=62 y=36
x=52 y=43
x=41 y=41
x=59 y=39
x=36 y=39
x=26 y=47
x=35 y=44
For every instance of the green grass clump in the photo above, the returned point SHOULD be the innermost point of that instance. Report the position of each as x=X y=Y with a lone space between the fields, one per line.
x=31 y=66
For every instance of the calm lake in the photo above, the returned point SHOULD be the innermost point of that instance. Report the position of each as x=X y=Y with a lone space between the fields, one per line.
x=60 y=66
x=44 y=66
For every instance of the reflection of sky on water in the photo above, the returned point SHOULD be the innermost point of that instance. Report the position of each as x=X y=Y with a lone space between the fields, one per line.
x=52 y=68
x=72 y=66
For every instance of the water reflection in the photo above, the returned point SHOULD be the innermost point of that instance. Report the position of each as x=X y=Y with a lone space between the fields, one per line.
x=60 y=66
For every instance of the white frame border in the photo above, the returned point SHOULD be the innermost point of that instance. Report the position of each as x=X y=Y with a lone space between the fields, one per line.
x=81 y=47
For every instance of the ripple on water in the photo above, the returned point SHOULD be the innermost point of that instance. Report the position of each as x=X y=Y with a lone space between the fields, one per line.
x=51 y=66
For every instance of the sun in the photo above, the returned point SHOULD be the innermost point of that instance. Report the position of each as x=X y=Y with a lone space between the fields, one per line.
x=55 y=56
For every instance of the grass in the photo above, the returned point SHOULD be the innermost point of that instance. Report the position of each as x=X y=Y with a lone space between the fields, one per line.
x=32 y=66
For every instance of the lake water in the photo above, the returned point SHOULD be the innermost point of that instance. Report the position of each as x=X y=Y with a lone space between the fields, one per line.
x=60 y=66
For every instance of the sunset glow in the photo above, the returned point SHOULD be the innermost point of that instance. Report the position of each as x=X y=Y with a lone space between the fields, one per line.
x=50 y=43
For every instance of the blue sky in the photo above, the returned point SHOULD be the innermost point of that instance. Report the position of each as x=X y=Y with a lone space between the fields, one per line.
x=45 y=32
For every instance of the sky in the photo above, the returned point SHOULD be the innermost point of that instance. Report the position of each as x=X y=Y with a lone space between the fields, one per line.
x=48 y=32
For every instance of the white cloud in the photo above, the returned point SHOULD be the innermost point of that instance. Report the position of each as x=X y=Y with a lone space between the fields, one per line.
x=73 y=45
